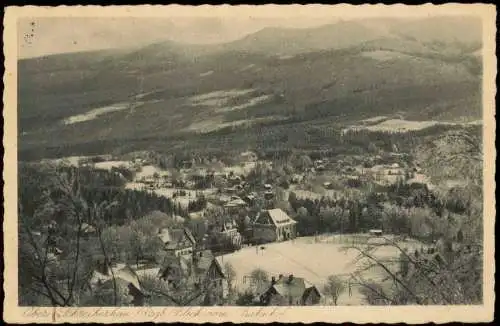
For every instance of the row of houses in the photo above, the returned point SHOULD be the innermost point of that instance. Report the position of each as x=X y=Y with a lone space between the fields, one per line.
x=272 y=225
x=183 y=264
x=188 y=264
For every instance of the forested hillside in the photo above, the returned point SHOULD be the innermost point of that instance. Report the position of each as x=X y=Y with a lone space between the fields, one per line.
x=94 y=102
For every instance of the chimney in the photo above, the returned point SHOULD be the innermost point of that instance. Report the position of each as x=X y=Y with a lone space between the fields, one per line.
x=273 y=280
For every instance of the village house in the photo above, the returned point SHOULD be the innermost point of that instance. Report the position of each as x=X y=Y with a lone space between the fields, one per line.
x=375 y=232
x=200 y=273
x=189 y=184
x=234 y=205
x=229 y=230
x=223 y=199
x=231 y=190
x=248 y=157
x=53 y=254
x=88 y=230
x=289 y=291
x=210 y=275
x=268 y=195
x=125 y=279
x=167 y=182
x=274 y=225
x=187 y=164
x=242 y=184
x=175 y=270
x=320 y=167
x=297 y=178
x=180 y=242
x=234 y=180
x=327 y=185
x=250 y=198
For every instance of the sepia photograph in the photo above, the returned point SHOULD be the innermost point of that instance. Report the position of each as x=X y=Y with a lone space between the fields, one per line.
x=249 y=162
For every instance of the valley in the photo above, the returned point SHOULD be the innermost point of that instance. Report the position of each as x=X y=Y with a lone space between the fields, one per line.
x=343 y=163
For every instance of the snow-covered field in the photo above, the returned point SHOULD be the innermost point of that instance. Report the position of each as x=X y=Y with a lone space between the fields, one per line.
x=375 y=119
x=218 y=98
x=384 y=55
x=110 y=164
x=94 y=113
x=148 y=171
x=307 y=257
x=217 y=122
x=251 y=102
x=398 y=125
x=70 y=160
x=208 y=73
x=401 y=125
x=240 y=169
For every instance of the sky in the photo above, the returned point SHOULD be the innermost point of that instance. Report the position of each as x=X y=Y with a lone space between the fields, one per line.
x=53 y=31
x=41 y=36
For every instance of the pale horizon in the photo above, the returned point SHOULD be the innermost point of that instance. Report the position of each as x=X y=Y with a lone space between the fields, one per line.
x=68 y=35
x=92 y=33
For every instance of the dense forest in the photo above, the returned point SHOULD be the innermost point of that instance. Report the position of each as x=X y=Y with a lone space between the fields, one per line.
x=40 y=184
x=269 y=138
x=406 y=210
x=281 y=142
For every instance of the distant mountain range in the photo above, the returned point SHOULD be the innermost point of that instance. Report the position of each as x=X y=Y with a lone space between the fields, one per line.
x=421 y=69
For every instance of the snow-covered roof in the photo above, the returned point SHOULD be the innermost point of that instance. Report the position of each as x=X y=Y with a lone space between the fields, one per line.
x=236 y=203
x=120 y=272
x=176 y=238
x=276 y=216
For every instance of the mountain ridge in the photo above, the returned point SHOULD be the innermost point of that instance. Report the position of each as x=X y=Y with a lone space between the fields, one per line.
x=383 y=74
x=443 y=28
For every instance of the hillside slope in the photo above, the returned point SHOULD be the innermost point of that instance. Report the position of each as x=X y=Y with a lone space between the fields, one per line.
x=340 y=72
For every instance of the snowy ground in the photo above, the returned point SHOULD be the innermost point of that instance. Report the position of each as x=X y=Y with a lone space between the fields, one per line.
x=401 y=125
x=70 y=160
x=307 y=257
x=95 y=113
x=107 y=165
x=147 y=171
